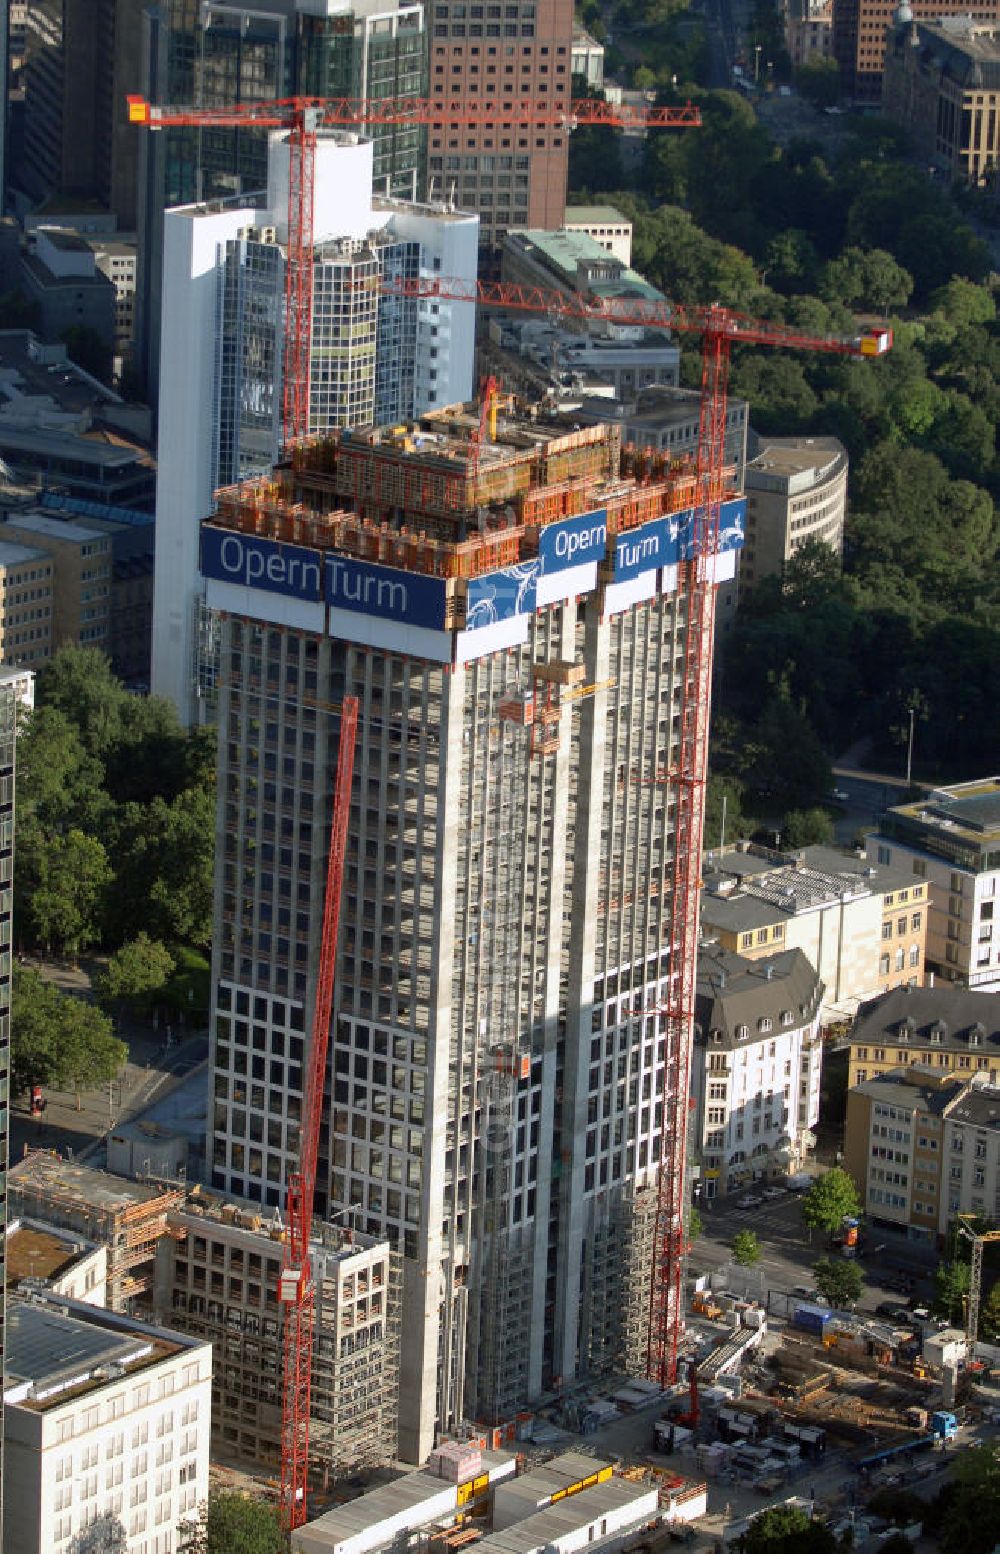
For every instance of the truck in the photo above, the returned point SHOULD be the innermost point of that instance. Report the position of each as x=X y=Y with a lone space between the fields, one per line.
x=812 y=1319
x=944 y=1425
x=704 y=1304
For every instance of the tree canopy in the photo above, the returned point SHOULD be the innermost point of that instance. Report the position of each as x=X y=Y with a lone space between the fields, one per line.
x=59 y=1040
x=115 y=814
x=838 y=1280
x=831 y=1196
x=232 y=1523
x=746 y=1248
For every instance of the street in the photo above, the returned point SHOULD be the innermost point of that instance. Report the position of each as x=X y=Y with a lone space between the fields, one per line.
x=787 y=1255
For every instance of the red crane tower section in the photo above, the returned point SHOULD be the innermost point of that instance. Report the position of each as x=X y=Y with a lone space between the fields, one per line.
x=297 y=1288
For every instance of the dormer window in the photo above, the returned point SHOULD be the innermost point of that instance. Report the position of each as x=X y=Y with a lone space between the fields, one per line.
x=787 y=1017
x=976 y=1035
x=764 y=1024
x=742 y=1032
x=938 y=1031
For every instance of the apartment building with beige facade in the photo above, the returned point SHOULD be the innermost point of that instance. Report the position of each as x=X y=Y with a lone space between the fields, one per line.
x=949 y=1029
x=923 y=1146
x=27 y=602
x=81 y=566
x=862 y=928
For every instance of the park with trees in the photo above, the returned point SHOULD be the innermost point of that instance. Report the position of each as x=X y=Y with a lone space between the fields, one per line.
x=115 y=827
x=821 y=233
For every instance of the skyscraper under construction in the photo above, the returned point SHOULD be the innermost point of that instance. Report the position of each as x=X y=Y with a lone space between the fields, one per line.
x=509 y=601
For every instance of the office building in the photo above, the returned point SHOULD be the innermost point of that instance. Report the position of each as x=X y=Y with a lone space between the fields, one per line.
x=863 y=929
x=755 y=1072
x=809 y=31
x=17 y=694
x=942 y=84
x=796 y=491
x=215 y=55
x=59 y=427
x=861 y=29
x=107 y=1422
x=517 y=643
x=522 y=52
x=82 y=58
x=59 y=275
x=27 y=591
x=950 y=841
x=603 y=223
x=374 y=356
x=76 y=592
x=944 y=1027
x=923 y=1147
x=217 y=1277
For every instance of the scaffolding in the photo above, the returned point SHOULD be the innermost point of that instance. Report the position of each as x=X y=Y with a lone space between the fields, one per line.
x=128 y=1218
x=436 y=497
x=225 y=1291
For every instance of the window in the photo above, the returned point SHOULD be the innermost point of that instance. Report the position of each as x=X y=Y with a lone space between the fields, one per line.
x=883 y=966
x=916 y=919
x=887 y=930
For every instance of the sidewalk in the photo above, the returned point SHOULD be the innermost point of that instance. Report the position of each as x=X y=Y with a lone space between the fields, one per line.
x=151 y=1064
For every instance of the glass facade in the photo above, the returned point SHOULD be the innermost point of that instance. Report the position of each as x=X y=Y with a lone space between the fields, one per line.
x=218 y=55
x=364 y=346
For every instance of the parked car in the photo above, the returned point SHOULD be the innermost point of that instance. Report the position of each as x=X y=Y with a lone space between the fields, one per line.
x=774 y=1192
x=749 y=1200
x=806 y=1291
x=837 y=796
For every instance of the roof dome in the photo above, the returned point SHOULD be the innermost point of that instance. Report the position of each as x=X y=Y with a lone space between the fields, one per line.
x=904 y=14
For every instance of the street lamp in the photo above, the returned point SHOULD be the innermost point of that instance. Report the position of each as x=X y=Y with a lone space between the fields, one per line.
x=909 y=746
x=756 y=62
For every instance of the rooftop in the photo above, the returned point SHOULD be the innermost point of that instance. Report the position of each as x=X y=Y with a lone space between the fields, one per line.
x=66 y=529
x=945 y=1016
x=733 y=992
x=595 y=216
x=786 y=457
x=552 y=1526
x=31 y=368
x=53 y=1358
x=35 y=1251
x=969 y=811
x=967 y=51
x=14 y=555
x=912 y=1085
x=48 y=1174
x=568 y=254
x=789 y=884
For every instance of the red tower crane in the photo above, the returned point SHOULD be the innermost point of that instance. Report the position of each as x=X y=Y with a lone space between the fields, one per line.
x=304 y=116
x=296 y=1289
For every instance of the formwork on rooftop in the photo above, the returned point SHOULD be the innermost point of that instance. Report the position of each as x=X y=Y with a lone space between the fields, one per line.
x=128 y=1218
x=435 y=497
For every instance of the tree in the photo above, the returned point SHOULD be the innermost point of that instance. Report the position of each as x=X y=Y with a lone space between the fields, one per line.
x=989 y=1316
x=807 y=827
x=831 y=1197
x=694 y=1224
x=142 y=966
x=233 y=1524
x=746 y=1248
x=67 y=896
x=105 y=1536
x=972 y=1523
x=838 y=1280
x=785 y=1529
x=963 y=302
x=819 y=82
x=59 y=1040
x=951 y=1290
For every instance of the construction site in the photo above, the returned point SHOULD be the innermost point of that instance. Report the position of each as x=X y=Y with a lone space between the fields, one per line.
x=209 y=1267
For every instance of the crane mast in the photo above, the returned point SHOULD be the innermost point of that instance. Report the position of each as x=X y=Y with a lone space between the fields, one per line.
x=297 y=1290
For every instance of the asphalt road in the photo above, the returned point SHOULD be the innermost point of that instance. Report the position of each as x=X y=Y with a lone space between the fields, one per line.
x=787 y=1254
